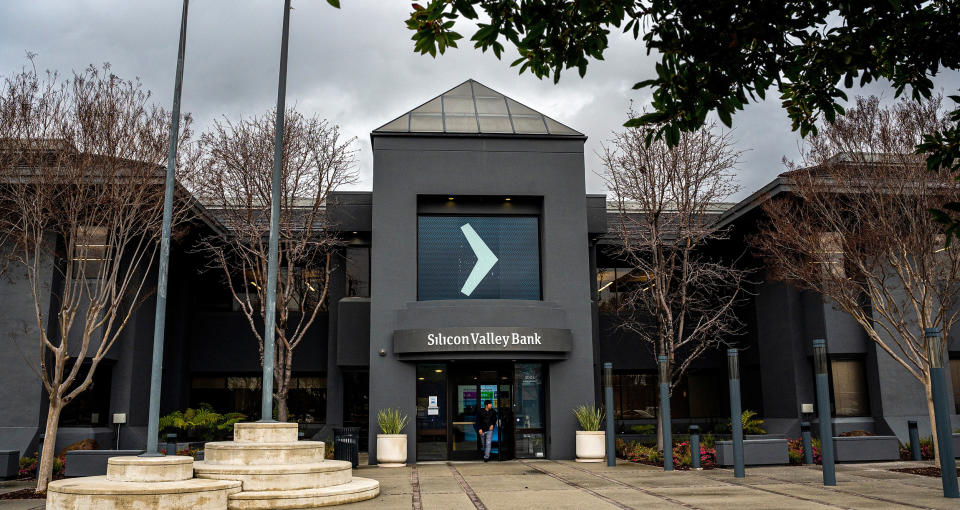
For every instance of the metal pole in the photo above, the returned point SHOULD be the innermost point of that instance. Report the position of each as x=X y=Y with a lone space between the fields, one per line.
x=915 y=452
x=270 y=310
x=736 y=420
x=823 y=411
x=807 y=442
x=608 y=397
x=938 y=387
x=667 y=435
x=695 y=446
x=160 y=317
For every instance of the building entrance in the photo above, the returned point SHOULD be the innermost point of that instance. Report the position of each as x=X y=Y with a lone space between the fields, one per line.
x=449 y=395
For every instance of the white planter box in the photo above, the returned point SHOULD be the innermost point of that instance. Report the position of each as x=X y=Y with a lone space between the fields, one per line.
x=391 y=450
x=591 y=446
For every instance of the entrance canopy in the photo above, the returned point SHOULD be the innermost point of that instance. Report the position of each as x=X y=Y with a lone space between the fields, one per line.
x=471 y=108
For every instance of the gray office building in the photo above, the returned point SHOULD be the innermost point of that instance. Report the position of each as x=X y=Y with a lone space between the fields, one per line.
x=477 y=269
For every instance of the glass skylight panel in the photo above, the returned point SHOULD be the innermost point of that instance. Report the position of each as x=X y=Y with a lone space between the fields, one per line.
x=528 y=124
x=461 y=123
x=495 y=124
x=426 y=123
x=455 y=105
x=400 y=124
x=491 y=105
x=557 y=128
x=431 y=106
x=462 y=108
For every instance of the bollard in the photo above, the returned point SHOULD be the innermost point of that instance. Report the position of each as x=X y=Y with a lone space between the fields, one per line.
x=695 y=446
x=608 y=397
x=823 y=411
x=938 y=387
x=736 y=420
x=915 y=452
x=807 y=442
x=667 y=435
x=171 y=444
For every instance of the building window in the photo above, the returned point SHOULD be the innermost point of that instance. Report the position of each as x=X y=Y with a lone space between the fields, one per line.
x=614 y=285
x=306 y=398
x=358 y=271
x=90 y=252
x=478 y=257
x=91 y=407
x=635 y=395
x=848 y=385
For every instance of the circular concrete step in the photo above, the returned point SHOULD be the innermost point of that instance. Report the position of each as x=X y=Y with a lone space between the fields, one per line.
x=270 y=432
x=279 y=477
x=359 y=489
x=149 y=469
x=102 y=494
x=247 y=454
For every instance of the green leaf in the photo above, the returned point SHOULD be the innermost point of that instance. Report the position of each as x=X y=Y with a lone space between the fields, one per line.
x=335 y=3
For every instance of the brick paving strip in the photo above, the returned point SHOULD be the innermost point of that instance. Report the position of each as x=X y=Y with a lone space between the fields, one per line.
x=415 y=482
x=466 y=488
x=578 y=486
x=853 y=493
x=623 y=484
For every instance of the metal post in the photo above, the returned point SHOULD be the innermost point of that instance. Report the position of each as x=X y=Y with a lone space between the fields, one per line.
x=695 y=446
x=915 y=452
x=270 y=314
x=160 y=316
x=807 y=442
x=938 y=387
x=667 y=435
x=823 y=411
x=736 y=420
x=608 y=397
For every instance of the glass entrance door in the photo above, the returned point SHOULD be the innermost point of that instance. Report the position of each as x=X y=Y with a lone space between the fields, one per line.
x=472 y=386
x=530 y=431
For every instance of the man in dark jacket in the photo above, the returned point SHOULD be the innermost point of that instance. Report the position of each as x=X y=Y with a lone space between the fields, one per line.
x=486 y=419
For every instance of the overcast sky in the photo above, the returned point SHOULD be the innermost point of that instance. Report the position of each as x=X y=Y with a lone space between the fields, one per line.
x=354 y=66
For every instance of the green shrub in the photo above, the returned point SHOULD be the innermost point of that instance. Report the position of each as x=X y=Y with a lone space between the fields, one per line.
x=203 y=424
x=751 y=424
x=647 y=429
x=391 y=421
x=590 y=418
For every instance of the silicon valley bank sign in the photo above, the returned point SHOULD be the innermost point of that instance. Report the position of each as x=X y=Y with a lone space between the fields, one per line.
x=491 y=340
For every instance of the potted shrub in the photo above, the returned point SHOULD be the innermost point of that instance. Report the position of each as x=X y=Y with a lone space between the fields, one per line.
x=391 y=441
x=590 y=439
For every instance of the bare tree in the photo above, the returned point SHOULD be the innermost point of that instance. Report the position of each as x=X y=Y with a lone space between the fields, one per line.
x=81 y=194
x=684 y=301
x=235 y=182
x=856 y=229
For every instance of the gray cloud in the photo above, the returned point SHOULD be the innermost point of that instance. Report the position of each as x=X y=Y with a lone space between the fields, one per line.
x=354 y=66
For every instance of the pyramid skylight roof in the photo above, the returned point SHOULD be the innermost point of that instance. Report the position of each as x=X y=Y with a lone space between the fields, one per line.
x=472 y=108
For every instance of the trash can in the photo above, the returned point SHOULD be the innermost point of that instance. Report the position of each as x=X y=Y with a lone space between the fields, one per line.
x=346 y=444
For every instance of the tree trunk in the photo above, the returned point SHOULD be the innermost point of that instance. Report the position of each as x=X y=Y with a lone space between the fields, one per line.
x=928 y=391
x=282 y=412
x=45 y=466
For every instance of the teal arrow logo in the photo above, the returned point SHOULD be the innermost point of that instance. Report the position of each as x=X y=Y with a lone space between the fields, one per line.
x=485 y=260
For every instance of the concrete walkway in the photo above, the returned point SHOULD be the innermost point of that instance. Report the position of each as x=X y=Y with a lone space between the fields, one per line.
x=568 y=485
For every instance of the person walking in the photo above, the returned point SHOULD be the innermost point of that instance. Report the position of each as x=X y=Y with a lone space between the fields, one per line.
x=486 y=420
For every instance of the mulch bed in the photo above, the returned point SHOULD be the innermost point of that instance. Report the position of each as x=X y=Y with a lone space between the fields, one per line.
x=923 y=471
x=27 y=493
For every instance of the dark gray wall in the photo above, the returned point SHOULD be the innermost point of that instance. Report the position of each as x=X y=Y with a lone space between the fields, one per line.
x=407 y=166
x=22 y=394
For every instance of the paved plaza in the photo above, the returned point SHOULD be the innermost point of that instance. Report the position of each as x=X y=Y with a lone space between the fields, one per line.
x=569 y=485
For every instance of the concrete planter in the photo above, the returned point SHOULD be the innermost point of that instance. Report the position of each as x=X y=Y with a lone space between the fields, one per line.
x=756 y=452
x=391 y=450
x=9 y=464
x=866 y=448
x=591 y=445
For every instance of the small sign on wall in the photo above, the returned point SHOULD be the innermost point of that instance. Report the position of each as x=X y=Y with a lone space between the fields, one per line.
x=432 y=408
